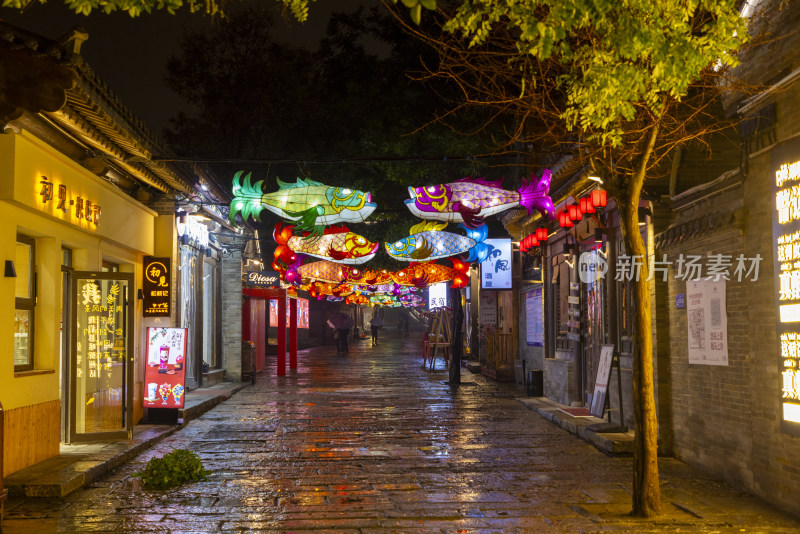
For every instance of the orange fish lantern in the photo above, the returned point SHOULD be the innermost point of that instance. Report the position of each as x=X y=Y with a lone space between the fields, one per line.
x=336 y=244
x=425 y=274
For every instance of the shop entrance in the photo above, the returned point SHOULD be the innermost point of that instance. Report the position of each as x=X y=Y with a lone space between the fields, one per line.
x=101 y=359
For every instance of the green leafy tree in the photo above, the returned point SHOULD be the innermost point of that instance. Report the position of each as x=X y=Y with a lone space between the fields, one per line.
x=622 y=83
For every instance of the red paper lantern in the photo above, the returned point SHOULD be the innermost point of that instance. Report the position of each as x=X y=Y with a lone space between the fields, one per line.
x=586 y=206
x=534 y=241
x=564 y=220
x=575 y=213
x=541 y=234
x=599 y=198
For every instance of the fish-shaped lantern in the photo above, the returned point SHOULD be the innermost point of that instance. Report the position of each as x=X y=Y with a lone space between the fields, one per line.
x=469 y=200
x=427 y=242
x=337 y=244
x=309 y=204
x=426 y=274
x=322 y=271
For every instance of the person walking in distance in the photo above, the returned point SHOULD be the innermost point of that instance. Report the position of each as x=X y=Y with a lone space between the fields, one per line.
x=375 y=324
x=344 y=333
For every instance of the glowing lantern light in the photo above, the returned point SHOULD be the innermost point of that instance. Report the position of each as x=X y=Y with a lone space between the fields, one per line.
x=599 y=198
x=541 y=234
x=575 y=213
x=564 y=220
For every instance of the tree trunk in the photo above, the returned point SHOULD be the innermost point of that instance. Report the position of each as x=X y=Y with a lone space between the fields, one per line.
x=646 y=489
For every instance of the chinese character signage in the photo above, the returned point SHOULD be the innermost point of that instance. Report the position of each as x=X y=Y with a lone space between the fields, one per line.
x=67 y=204
x=786 y=253
x=302 y=313
x=262 y=279
x=496 y=270
x=437 y=295
x=156 y=287
x=164 y=375
x=707 y=322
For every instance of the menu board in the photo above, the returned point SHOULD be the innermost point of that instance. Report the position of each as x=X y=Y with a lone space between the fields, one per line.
x=165 y=374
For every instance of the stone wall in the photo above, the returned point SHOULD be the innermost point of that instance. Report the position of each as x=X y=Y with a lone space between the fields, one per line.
x=232 y=316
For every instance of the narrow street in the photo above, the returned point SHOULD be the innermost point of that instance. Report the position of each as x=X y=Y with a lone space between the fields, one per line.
x=371 y=442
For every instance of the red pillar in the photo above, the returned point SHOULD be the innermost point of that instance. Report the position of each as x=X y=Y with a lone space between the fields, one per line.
x=293 y=334
x=282 y=334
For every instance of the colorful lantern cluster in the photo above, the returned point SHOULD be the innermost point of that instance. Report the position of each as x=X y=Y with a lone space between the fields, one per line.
x=311 y=205
x=533 y=240
x=469 y=200
x=586 y=206
x=337 y=243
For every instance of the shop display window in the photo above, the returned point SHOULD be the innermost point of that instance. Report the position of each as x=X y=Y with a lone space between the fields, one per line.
x=25 y=303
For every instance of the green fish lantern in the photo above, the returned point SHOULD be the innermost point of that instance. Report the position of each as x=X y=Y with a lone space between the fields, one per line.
x=308 y=204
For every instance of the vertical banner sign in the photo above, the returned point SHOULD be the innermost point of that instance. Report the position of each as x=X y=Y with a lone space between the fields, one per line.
x=437 y=295
x=601 y=384
x=534 y=317
x=156 y=287
x=164 y=376
x=707 y=322
x=786 y=255
x=496 y=270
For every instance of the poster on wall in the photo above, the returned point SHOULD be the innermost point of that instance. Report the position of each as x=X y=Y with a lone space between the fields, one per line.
x=488 y=309
x=156 y=287
x=302 y=313
x=165 y=373
x=496 y=270
x=534 y=318
x=437 y=296
x=601 y=384
x=707 y=322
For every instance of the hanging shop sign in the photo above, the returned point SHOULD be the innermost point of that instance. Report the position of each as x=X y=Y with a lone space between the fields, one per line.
x=437 y=296
x=192 y=230
x=156 y=287
x=165 y=373
x=496 y=270
x=786 y=256
x=262 y=279
x=59 y=199
x=707 y=322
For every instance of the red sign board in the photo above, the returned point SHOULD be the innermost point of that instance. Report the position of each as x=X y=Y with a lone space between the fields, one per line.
x=165 y=373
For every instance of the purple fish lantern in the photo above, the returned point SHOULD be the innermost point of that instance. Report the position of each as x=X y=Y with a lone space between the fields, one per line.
x=469 y=200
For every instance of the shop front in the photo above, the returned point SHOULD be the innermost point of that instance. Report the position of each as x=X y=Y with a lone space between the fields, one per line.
x=72 y=248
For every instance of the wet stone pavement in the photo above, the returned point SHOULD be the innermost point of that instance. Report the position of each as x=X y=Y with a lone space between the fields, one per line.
x=371 y=442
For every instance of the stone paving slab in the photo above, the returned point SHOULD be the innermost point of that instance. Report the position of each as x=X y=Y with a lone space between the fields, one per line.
x=371 y=442
x=80 y=464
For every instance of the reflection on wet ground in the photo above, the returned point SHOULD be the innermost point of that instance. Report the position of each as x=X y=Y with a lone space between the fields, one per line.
x=371 y=442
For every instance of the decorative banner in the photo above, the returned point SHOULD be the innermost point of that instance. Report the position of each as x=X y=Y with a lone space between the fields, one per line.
x=426 y=242
x=437 y=296
x=534 y=317
x=311 y=205
x=156 y=287
x=707 y=322
x=261 y=279
x=337 y=244
x=469 y=200
x=164 y=376
x=496 y=270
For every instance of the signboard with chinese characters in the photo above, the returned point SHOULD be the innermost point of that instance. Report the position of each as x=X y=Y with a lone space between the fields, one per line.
x=100 y=362
x=302 y=312
x=437 y=296
x=156 y=287
x=496 y=270
x=488 y=309
x=57 y=197
x=786 y=254
x=598 y=408
x=262 y=279
x=707 y=322
x=165 y=372
x=534 y=317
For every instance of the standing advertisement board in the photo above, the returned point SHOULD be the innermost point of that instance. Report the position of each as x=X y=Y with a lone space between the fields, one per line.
x=165 y=373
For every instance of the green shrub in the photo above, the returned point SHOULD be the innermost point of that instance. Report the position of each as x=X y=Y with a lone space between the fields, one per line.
x=173 y=469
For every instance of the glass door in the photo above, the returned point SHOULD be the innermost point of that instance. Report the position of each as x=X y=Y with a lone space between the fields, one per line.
x=101 y=370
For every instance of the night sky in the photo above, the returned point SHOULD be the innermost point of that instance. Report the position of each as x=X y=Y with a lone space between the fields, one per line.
x=130 y=54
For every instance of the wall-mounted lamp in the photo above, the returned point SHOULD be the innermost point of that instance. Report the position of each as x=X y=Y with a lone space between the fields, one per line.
x=644 y=213
x=10 y=270
x=595 y=178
